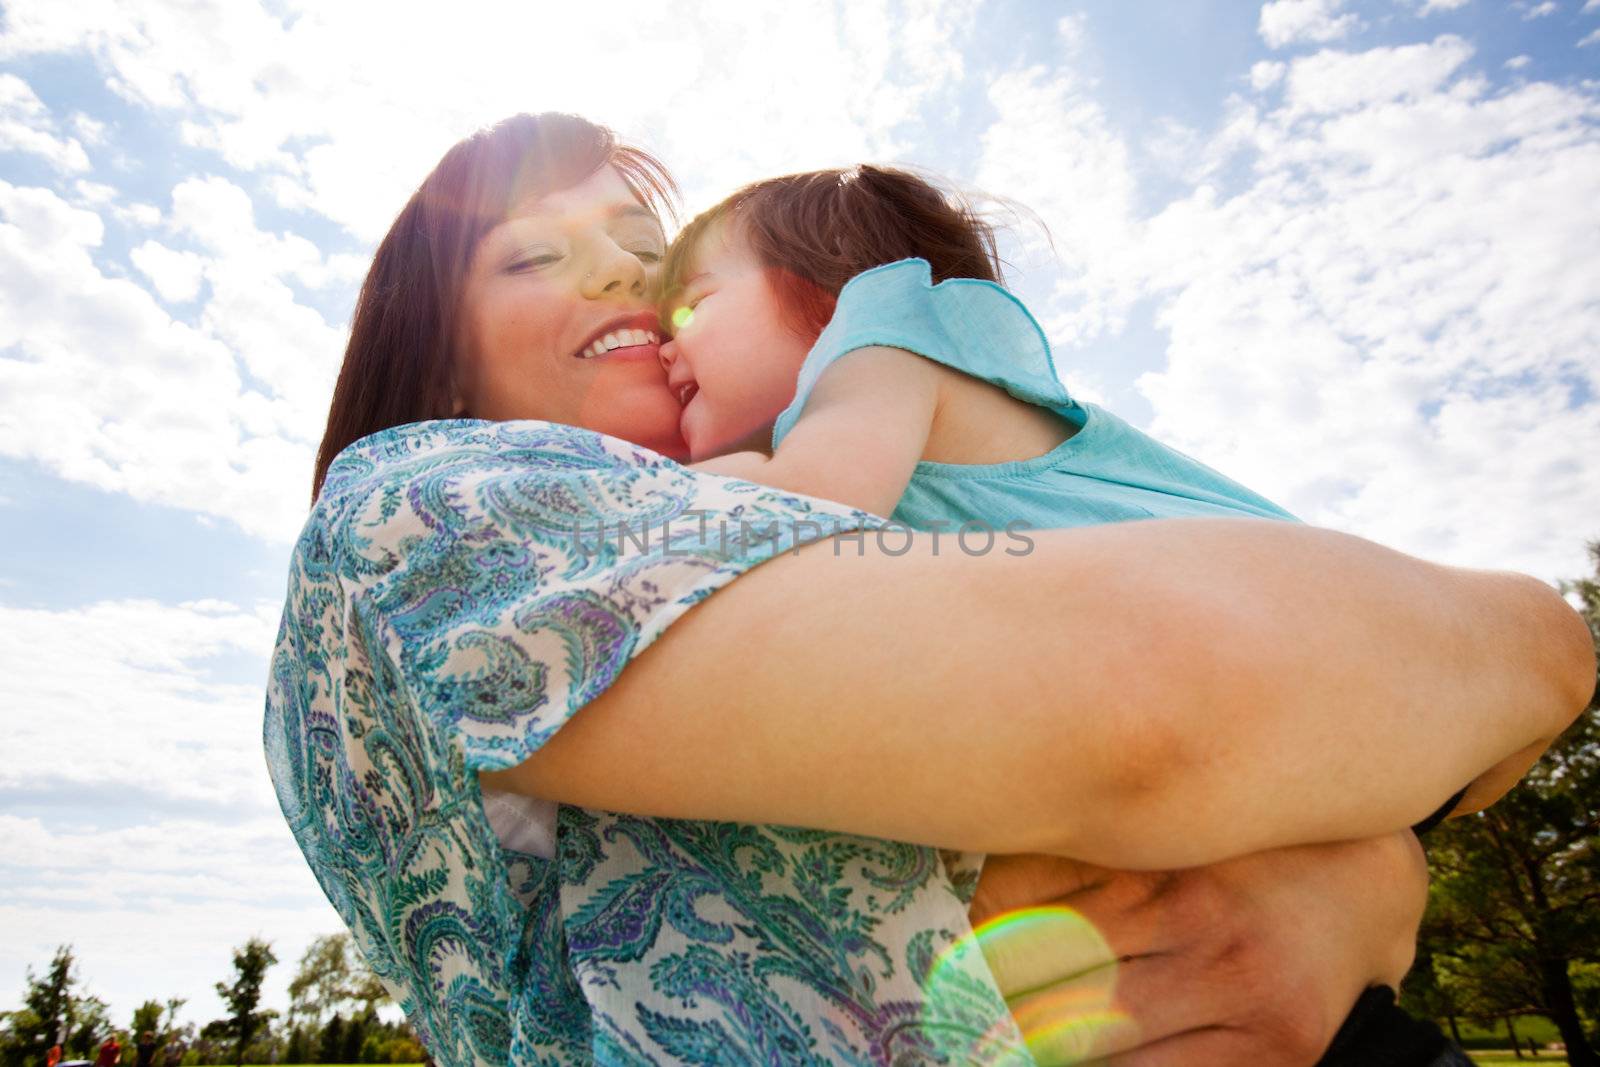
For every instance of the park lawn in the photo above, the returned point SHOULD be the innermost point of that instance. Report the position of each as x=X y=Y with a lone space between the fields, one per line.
x=1497 y=1058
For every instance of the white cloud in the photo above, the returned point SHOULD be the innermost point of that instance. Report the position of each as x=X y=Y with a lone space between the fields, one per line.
x=1266 y=74
x=1538 y=11
x=1518 y=62
x=176 y=275
x=1073 y=33
x=1285 y=22
x=1592 y=38
x=25 y=126
x=1402 y=290
x=1592 y=5
x=349 y=131
x=117 y=394
x=1429 y=7
x=89 y=128
x=1340 y=81
x=123 y=683
x=1052 y=148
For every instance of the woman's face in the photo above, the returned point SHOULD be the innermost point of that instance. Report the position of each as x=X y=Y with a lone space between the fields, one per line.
x=558 y=319
x=732 y=362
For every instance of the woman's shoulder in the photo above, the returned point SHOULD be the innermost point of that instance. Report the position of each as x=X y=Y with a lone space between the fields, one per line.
x=450 y=494
x=452 y=484
x=401 y=453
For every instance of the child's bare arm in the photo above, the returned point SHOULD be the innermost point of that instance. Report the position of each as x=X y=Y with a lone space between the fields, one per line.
x=864 y=428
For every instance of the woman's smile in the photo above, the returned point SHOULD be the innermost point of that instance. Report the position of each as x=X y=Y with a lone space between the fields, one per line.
x=625 y=337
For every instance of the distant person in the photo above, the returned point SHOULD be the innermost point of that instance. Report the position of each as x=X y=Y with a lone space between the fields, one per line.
x=53 y=1057
x=110 y=1053
x=145 y=1050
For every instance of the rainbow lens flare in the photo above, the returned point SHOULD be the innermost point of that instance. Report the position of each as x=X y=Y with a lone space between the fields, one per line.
x=682 y=317
x=1058 y=976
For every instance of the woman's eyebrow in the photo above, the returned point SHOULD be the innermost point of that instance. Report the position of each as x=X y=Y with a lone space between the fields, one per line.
x=632 y=211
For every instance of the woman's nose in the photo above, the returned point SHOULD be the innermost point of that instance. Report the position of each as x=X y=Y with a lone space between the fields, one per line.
x=617 y=272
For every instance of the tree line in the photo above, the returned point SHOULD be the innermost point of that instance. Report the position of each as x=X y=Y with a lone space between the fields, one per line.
x=332 y=1018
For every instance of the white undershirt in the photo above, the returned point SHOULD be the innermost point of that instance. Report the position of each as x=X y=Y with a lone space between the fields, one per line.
x=523 y=824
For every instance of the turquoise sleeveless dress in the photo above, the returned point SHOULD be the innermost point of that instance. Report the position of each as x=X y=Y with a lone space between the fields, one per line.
x=1108 y=471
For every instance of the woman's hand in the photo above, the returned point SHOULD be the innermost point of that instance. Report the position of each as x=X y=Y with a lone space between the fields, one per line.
x=1256 y=960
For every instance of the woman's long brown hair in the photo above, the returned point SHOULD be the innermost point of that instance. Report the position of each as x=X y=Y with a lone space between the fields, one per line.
x=397 y=365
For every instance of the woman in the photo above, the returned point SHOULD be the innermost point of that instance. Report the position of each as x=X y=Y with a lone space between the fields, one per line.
x=448 y=615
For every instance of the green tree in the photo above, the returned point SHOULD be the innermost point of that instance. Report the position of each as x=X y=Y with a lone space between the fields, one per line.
x=243 y=997
x=53 y=1011
x=331 y=1046
x=332 y=975
x=299 y=1047
x=1431 y=994
x=1513 y=923
x=172 y=1006
x=355 y=1035
x=147 y=1016
x=91 y=1024
x=16 y=1030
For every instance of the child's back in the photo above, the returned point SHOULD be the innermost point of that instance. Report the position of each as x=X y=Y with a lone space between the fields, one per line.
x=1052 y=462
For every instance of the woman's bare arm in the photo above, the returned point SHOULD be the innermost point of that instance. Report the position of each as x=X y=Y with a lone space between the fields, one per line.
x=1148 y=695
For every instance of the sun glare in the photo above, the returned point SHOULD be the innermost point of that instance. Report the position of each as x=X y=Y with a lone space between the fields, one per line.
x=1057 y=973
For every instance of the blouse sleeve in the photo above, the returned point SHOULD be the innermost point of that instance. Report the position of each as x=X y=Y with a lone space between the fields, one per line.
x=967 y=324
x=460 y=590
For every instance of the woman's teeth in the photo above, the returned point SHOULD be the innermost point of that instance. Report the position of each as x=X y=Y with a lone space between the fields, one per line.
x=619 y=339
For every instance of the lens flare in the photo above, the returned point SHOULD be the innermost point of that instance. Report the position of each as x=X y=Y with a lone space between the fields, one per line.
x=1058 y=976
x=682 y=317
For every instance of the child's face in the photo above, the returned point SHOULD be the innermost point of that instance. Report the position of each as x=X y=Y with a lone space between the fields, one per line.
x=731 y=361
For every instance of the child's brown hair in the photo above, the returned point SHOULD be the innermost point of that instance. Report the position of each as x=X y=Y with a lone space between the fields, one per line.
x=815 y=231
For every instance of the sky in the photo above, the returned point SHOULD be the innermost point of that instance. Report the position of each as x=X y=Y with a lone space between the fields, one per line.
x=1343 y=250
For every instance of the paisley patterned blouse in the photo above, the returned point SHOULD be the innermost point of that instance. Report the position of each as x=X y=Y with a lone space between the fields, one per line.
x=461 y=589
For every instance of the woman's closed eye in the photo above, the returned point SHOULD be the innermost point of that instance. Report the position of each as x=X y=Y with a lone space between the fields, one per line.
x=533 y=260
